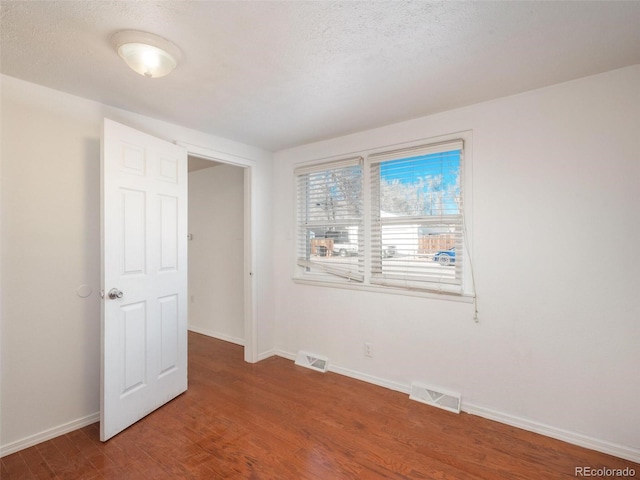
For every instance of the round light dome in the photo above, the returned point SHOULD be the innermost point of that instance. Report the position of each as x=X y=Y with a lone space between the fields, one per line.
x=146 y=54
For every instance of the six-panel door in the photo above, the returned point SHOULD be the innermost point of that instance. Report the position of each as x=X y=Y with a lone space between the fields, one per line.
x=144 y=220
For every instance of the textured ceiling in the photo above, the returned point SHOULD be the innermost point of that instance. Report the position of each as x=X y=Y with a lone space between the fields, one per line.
x=278 y=74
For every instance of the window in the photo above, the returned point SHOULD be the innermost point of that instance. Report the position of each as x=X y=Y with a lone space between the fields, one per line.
x=330 y=219
x=407 y=231
x=416 y=218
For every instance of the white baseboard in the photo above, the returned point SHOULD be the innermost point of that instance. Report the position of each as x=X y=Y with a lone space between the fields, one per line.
x=381 y=382
x=283 y=354
x=602 y=446
x=265 y=355
x=218 y=335
x=398 y=387
x=32 y=440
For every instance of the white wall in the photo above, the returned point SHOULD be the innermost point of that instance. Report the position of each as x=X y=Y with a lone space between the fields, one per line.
x=556 y=230
x=555 y=170
x=216 y=252
x=50 y=244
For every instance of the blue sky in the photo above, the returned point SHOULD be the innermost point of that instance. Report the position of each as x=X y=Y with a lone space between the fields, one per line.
x=446 y=164
x=409 y=171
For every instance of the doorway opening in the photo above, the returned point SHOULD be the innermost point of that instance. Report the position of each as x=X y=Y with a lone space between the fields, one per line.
x=219 y=251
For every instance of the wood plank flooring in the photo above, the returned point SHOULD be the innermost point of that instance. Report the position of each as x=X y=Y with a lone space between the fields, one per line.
x=275 y=420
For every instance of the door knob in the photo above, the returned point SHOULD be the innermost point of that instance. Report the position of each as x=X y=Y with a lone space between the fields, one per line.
x=115 y=293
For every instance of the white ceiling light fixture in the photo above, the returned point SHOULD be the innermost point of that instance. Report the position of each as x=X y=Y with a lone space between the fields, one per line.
x=147 y=54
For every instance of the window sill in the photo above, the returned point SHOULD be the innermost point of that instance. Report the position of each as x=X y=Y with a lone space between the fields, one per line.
x=463 y=298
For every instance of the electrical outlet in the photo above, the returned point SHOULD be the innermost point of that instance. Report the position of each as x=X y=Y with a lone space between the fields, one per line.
x=368 y=349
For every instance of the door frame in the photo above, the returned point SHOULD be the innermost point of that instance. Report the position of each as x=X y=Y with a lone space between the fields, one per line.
x=249 y=294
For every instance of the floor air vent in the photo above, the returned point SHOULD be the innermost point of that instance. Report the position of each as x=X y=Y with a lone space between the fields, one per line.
x=435 y=397
x=312 y=361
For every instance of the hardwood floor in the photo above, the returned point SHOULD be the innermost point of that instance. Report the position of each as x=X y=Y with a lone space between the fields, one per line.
x=275 y=420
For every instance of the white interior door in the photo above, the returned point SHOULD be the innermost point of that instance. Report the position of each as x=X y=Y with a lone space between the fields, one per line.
x=144 y=270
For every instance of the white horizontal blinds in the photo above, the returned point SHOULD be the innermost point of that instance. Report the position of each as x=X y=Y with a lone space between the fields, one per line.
x=330 y=216
x=416 y=227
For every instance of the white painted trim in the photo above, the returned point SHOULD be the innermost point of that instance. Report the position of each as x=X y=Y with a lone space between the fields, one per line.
x=218 y=335
x=603 y=446
x=54 y=432
x=267 y=354
x=218 y=156
x=327 y=281
x=250 y=245
x=398 y=387
x=381 y=382
x=287 y=355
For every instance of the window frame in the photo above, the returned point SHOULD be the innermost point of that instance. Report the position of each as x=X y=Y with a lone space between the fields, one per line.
x=466 y=292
